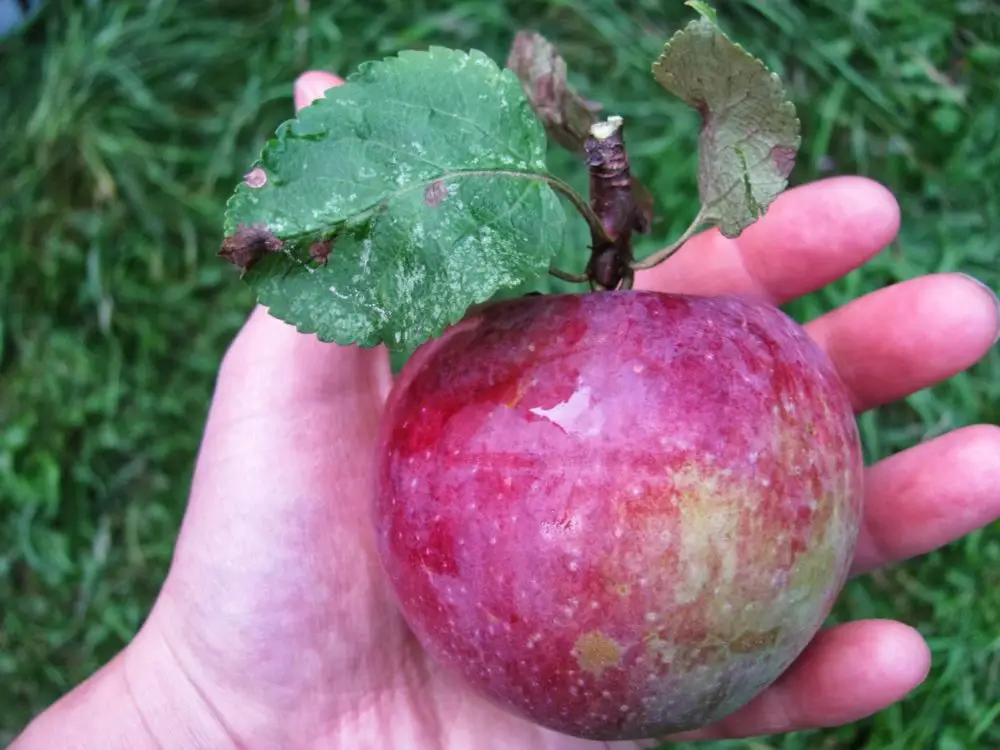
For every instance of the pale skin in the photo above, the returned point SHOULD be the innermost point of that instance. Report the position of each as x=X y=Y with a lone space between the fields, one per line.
x=276 y=628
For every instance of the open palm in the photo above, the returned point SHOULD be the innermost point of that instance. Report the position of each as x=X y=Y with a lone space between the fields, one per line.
x=277 y=627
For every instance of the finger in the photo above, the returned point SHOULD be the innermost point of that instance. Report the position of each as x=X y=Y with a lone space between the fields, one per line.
x=847 y=673
x=810 y=236
x=929 y=495
x=900 y=339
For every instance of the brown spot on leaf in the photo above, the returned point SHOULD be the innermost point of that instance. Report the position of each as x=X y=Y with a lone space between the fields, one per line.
x=749 y=642
x=704 y=111
x=595 y=652
x=319 y=251
x=248 y=245
x=436 y=192
x=256 y=178
x=783 y=158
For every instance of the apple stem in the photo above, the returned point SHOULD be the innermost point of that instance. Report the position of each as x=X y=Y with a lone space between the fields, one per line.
x=579 y=203
x=613 y=201
x=573 y=278
x=661 y=255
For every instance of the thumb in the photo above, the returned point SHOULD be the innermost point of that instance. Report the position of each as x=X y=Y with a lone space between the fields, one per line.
x=271 y=368
x=286 y=451
x=278 y=368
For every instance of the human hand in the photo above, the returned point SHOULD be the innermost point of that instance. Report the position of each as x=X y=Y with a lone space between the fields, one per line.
x=276 y=627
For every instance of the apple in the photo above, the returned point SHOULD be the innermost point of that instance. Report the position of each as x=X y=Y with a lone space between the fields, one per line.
x=618 y=514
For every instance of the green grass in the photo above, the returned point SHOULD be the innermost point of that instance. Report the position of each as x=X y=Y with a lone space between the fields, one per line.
x=125 y=124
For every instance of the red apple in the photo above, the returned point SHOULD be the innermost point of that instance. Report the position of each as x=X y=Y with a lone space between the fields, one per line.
x=619 y=514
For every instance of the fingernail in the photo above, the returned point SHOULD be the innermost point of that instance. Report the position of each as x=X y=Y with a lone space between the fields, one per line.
x=996 y=301
x=310 y=87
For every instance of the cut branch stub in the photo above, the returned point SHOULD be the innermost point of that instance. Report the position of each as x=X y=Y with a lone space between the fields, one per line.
x=612 y=199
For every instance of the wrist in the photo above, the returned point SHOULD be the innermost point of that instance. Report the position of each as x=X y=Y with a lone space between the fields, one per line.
x=138 y=700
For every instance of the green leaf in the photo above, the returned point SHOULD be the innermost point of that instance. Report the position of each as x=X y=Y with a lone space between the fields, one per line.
x=750 y=133
x=388 y=208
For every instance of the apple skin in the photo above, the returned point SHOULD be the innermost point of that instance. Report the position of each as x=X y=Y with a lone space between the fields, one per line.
x=618 y=514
